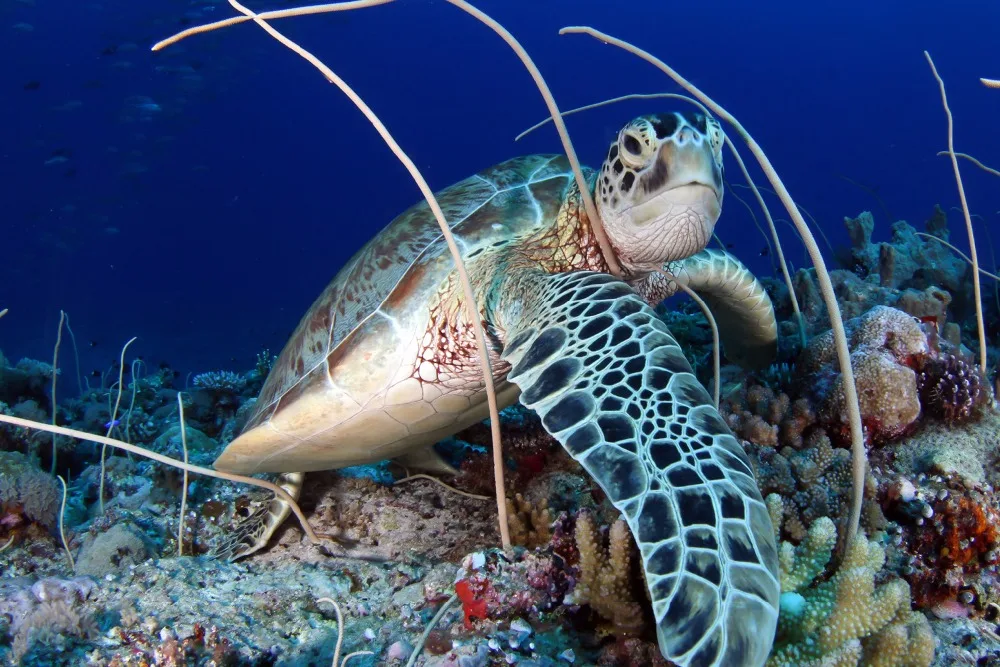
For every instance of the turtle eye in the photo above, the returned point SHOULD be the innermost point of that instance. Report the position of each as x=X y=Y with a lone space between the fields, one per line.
x=715 y=135
x=631 y=150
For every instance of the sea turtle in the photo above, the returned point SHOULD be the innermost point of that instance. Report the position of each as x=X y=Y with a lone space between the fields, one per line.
x=384 y=364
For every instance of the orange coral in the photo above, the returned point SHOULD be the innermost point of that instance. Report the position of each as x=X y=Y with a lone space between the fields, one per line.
x=952 y=546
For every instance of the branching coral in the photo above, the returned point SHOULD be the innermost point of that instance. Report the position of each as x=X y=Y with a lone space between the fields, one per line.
x=813 y=482
x=605 y=575
x=529 y=522
x=847 y=619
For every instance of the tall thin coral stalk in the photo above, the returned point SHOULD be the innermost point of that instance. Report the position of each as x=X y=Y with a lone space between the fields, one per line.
x=550 y=102
x=55 y=374
x=976 y=289
x=111 y=421
x=184 y=488
x=475 y=320
x=166 y=460
x=859 y=457
x=62 y=526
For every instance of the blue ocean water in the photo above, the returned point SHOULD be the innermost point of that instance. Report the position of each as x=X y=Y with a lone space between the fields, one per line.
x=201 y=197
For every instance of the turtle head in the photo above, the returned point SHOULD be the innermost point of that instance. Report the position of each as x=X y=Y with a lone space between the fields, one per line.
x=659 y=192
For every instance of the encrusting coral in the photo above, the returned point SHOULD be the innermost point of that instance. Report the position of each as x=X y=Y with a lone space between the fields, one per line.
x=885 y=344
x=27 y=495
x=847 y=619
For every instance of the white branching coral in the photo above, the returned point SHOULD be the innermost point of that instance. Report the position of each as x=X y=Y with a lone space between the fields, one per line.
x=846 y=620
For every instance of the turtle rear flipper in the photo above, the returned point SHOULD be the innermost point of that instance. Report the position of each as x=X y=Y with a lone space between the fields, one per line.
x=254 y=532
x=613 y=387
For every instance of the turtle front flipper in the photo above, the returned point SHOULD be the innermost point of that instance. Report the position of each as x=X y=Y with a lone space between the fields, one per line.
x=254 y=532
x=741 y=307
x=612 y=385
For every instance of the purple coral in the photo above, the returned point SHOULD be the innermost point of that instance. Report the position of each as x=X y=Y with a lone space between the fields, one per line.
x=951 y=389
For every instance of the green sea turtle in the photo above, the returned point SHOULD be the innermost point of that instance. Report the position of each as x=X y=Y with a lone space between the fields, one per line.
x=384 y=364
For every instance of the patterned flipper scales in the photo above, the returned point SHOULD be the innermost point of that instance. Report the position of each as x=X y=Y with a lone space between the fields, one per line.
x=613 y=387
x=253 y=533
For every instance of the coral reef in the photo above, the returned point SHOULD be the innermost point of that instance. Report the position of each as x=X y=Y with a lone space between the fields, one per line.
x=572 y=592
x=907 y=260
x=27 y=495
x=848 y=618
x=885 y=344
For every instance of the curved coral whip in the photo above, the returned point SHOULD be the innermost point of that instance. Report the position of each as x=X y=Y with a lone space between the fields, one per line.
x=859 y=457
x=475 y=321
x=976 y=288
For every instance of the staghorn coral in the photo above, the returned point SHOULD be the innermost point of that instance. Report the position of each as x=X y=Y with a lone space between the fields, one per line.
x=605 y=576
x=847 y=619
x=813 y=482
x=758 y=414
x=529 y=522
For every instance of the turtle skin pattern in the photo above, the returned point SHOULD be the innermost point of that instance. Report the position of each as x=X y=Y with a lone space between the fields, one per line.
x=613 y=387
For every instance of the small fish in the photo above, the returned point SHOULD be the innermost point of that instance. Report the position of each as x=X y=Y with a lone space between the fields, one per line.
x=112 y=423
x=93 y=343
x=95 y=374
x=32 y=85
x=58 y=159
x=109 y=50
x=765 y=251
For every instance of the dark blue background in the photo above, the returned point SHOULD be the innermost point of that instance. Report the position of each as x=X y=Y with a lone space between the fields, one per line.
x=208 y=227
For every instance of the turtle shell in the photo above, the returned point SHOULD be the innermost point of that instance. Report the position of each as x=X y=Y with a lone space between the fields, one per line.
x=353 y=384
